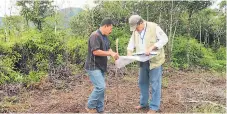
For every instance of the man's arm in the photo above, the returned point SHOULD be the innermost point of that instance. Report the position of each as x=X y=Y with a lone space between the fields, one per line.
x=162 y=40
x=106 y=53
x=101 y=53
x=130 y=47
x=95 y=44
x=115 y=55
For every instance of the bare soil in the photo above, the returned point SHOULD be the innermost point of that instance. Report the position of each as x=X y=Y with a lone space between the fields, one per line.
x=182 y=91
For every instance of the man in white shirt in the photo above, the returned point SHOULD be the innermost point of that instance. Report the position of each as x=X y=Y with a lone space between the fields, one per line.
x=147 y=37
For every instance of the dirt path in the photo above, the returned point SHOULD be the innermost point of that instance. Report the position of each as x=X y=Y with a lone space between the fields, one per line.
x=181 y=92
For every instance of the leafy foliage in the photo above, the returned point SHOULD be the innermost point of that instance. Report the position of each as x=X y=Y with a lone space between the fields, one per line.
x=199 y=55
x=36 y=11
x=27 y=54
x=27 y=58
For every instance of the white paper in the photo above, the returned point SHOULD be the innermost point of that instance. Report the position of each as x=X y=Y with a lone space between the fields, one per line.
x=142 y=53
x=125 y=60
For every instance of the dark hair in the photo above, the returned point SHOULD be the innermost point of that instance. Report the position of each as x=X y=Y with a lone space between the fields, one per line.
x=107 y=22
x=140 y=21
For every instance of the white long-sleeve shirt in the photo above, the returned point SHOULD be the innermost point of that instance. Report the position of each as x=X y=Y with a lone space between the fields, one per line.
x=162 y=39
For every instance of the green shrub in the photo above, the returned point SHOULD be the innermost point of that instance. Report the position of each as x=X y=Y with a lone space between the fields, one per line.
x=198 y=55
x=7 y=60
x=28 y=57
x=123 y=38
x=32 y=54
x=77 y=50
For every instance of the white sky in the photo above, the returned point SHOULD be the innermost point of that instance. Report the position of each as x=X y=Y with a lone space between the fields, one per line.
x=7 y=6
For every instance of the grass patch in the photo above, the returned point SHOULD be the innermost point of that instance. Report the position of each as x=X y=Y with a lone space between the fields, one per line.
x=208 y=108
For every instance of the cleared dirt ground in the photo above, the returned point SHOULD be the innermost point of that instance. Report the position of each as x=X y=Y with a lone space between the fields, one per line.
x=182 y=91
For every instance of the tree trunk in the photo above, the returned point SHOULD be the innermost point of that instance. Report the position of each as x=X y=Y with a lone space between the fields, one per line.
x=147 y=12
x=160 y=15
x=39 y=24
x=55 y=24
x=5 y=34
x=189 y=30
x=173 y=41
x=200 y=34
x=5 y=26
x=170 y=32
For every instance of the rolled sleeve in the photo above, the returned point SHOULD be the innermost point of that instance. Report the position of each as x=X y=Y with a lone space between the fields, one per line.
x=131 y=44
x=95 y=43
x=162 y=38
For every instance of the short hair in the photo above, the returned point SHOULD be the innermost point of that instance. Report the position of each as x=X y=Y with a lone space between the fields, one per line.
x=107 y=22
x=140 y=21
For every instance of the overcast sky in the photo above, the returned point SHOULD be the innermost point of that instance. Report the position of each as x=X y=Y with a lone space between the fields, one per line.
x=9 y=6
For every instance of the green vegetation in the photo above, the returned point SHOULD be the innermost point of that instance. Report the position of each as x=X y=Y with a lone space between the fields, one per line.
x=27 y=53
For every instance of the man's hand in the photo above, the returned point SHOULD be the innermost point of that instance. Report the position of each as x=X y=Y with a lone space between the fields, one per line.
x=129 y=53
x=114 y=55
x=148 y=51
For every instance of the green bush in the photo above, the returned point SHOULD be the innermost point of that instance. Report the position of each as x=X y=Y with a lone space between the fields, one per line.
x=77 y=50
x=32 y=54
x=198 y=55
x=29 y=57
x=7 y=60
x=7 y=73
x=33 y=77
x=221 y=53
x=123 y=38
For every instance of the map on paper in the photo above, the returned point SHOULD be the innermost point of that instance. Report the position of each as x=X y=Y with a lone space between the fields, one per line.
x=125 y=60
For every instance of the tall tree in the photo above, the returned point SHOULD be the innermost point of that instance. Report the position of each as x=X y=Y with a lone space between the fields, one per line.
x=36 y=11
x=191 y=8
x=13 y=24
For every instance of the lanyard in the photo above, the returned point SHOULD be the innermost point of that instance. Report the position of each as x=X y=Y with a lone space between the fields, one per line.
x=144 y=33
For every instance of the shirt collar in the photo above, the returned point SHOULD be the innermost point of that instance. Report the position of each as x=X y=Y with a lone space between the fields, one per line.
x=143 y=28
x=142 y=32
x=99 y=31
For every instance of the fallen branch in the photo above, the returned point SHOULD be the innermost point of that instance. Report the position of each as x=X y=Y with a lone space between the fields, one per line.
x=195 y=101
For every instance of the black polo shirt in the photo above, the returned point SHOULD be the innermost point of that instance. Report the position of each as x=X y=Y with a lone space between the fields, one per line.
x=97 y=41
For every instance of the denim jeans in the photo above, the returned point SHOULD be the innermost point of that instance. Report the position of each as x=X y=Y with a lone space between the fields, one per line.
x=149 y=77
x=96 y=98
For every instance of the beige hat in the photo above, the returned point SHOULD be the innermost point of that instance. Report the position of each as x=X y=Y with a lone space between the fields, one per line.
x=133 y=22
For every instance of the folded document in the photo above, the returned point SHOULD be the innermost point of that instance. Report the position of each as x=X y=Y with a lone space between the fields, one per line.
x=125 y=60
x=142 y=53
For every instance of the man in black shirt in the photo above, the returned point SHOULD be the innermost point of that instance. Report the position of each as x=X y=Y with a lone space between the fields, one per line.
x=96 y=64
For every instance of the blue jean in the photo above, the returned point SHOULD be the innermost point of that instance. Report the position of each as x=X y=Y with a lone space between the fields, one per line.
x=96 y=98
x=147 y=77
